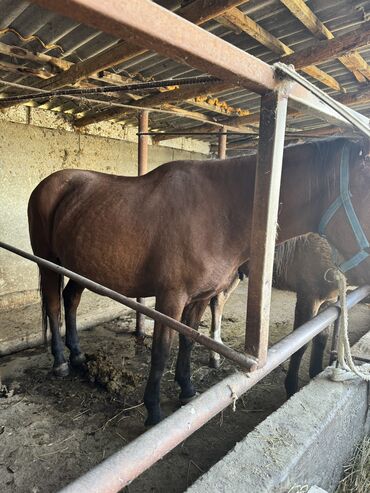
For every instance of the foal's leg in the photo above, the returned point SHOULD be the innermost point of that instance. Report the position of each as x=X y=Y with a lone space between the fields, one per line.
x=162 y=341
x=217 y=305
x=305 y=309
x=72 y=296
x=191 y=316
x=51 y=283
x=317 y=352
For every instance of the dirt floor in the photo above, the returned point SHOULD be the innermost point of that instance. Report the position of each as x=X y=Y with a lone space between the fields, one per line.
x=53 y=430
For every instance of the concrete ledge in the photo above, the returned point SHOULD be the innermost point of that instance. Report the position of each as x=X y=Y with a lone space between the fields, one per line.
x=305 y=442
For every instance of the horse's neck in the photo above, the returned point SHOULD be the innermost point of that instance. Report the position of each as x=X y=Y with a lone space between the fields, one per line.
x=307 y=189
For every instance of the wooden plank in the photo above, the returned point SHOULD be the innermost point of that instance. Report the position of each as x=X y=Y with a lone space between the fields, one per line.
x=250 y=27
x=353 y=62
x=323 y=51
x=177 y=95
x=264 y=222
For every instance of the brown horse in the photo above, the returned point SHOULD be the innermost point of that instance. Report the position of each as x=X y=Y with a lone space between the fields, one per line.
x=179 y=233
x=305 y=266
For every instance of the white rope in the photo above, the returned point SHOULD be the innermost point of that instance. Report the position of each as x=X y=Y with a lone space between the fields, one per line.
x=234 y=397
x=347 y=369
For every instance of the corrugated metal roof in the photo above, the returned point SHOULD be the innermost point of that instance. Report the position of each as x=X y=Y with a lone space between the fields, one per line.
x=27 y=25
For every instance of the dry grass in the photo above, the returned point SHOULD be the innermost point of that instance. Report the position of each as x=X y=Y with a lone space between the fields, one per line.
x=357 y=473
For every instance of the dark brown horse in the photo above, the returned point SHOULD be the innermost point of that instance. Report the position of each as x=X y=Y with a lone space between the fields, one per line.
x=305 y=266
x=178 y=233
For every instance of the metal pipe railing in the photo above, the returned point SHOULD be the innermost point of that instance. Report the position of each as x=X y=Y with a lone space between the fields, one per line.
x=356 y=119
x=246 y=362
x=128 y=463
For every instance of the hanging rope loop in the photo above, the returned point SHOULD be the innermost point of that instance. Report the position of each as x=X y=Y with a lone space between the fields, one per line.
x=347 y=370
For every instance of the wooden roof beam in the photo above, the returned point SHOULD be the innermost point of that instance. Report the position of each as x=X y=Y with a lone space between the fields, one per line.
x=250 y=27
x=349 y=99
x=354 y=62
x=177 y=95
x=323 y=51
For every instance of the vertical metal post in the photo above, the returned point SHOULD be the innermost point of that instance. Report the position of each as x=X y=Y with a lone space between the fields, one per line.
x=222 y=140
x=264 y=222
x=142 y=169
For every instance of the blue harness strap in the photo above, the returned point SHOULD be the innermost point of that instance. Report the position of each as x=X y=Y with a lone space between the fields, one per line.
x=344 y=200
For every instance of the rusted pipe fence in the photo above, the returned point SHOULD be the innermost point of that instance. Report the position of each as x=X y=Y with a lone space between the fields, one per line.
x=128 y=463
x=246 y=362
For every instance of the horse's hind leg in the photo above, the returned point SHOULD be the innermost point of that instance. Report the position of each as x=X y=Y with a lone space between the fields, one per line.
x=217 y=305
x=51 y=284
x=172 y=306
x=191 y=316
x=305 y=309
x=72 y=296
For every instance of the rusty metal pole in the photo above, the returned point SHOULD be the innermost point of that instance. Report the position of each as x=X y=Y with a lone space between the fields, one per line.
x=142 y=169
x=222 y=140
x=238 y=358
x=264 y=222
x=124 y=466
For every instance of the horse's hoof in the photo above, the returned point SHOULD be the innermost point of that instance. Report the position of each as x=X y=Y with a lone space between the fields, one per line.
x=61 y=370
x=153 y=420
x=77 y=360
x=215 y=363
x=186 y=400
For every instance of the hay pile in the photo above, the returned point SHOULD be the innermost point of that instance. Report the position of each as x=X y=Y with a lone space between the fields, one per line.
x=356 y=478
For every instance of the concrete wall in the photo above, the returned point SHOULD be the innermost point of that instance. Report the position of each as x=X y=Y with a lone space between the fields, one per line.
x=306 y=442
x=29 y=152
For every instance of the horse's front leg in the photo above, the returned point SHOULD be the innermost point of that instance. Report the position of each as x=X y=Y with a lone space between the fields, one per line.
x=191 y=316
x=306 y=308
x=161 y=346
x=217 y=305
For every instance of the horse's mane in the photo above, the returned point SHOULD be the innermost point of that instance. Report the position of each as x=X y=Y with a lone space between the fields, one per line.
x=325 y=169
x=284 y=256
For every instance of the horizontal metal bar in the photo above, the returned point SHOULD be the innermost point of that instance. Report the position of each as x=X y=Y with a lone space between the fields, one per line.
x=354 y=118
x=354 y=357
x=134 y=86
x=240 y=359
x=180 y=40
x=215 y=133
x=125 y=465
x=129 y=106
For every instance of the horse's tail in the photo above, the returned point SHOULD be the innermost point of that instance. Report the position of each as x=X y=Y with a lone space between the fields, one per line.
x=44 y=316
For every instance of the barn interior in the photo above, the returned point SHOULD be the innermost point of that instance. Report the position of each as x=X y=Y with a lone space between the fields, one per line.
x=47 y=422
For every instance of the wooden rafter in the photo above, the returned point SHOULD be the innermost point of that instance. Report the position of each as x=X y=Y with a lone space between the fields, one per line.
x=177 y=95
x=322 y=51
x=51 y=64
x=353 y=61
x=237 y=18
x=349 y=99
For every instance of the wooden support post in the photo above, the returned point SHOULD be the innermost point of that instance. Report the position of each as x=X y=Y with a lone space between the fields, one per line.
x=264 y=222
x=222 y=140
x=142 y=169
